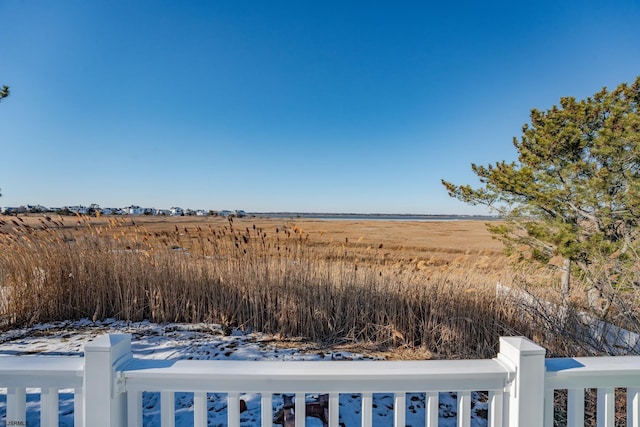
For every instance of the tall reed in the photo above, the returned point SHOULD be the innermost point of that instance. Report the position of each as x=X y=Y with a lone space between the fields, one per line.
x=242 y=276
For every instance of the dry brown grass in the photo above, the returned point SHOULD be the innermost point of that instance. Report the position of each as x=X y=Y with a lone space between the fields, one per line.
x=419 y=288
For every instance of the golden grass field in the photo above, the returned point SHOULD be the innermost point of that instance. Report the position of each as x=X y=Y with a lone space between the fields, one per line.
x=426 y=245
x=416 y=287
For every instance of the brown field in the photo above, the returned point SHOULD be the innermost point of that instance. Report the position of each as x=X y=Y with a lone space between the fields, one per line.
x=421 y=288
x=423 y=245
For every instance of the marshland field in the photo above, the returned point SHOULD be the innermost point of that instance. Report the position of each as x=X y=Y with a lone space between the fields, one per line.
x=414 y=289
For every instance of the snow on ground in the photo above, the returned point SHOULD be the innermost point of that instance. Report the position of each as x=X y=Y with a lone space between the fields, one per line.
x=208 y=342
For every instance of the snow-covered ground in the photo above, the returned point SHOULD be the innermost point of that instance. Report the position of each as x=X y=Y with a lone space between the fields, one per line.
x=209 y=342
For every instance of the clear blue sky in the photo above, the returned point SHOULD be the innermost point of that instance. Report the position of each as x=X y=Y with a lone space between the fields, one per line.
x=287 y=106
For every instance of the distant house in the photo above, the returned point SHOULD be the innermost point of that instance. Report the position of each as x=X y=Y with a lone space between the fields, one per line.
x=176 y=211
x=36 y=208
x=134 y=210
x=106 y=211
x=238 y=213
x=7 y=210
x=163 y=212
x=201 y=212
x=80 y=210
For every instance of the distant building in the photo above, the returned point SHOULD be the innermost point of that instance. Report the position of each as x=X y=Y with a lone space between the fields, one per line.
x=176 y=211
x=8 y=210
x=80 y=210
x=36 y=208
x=134 y=210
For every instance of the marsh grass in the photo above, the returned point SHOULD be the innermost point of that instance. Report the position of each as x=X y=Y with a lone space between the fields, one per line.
x=275 y=281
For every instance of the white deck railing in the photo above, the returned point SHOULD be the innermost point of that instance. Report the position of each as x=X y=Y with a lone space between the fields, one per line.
x=49 y=374
x=108 y=384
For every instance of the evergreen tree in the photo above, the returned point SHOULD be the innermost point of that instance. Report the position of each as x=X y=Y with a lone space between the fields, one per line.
x=4 y=92
x=573 y=196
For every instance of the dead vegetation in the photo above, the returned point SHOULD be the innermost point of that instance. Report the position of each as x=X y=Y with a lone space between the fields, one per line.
x=436 y=297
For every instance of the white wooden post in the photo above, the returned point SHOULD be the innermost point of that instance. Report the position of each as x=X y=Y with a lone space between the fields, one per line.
x=167 y=409
x=464 y=409
x=526 y=397
x=605 y=413
x=334 y=409
x=431 y=409
x=200 y=409
x=633 y=407
x=233 y=409
x=575 y=407
x=78 y=407
x=49 y=407
x=134 y=409
x=300 y=409
x=496 y=406
x=399 y=409
x=367 y=409
x=105 y=406
x=16 y=406
x=267 y=410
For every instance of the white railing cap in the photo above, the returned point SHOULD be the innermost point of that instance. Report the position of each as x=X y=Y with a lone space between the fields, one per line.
x=108 y=342
x=315 y=376
x=593 y=372
x=524 y=345
x=41 y=371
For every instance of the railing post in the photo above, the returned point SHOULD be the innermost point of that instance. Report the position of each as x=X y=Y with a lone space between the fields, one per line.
x=526 y=397
x=105 y=405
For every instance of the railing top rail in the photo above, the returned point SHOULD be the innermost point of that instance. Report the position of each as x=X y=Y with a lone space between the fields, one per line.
x=315 y=376
x=41 y=371
x=592 y=372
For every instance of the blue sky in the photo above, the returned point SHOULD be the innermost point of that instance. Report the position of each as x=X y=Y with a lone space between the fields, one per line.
x=287 y=105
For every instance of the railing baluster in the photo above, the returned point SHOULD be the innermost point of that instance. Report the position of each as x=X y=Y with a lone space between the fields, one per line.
x=431 y=406
x=200 y=409
x=266 y=408
x=233 y=410
x=367 y=409
x=167 y=409
x=134 y=408
x=496 y=405
x=78 y=407
x=300 y=409
x=17 y=405
x=399 y=409
x=49 y=407
x=606 y=407
x=464 y=408
x=334 y=412
x=575 y=407
x=633 y=407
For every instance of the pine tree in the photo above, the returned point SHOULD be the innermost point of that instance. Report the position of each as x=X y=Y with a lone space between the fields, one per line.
x=4 y=92
x=574 y=193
